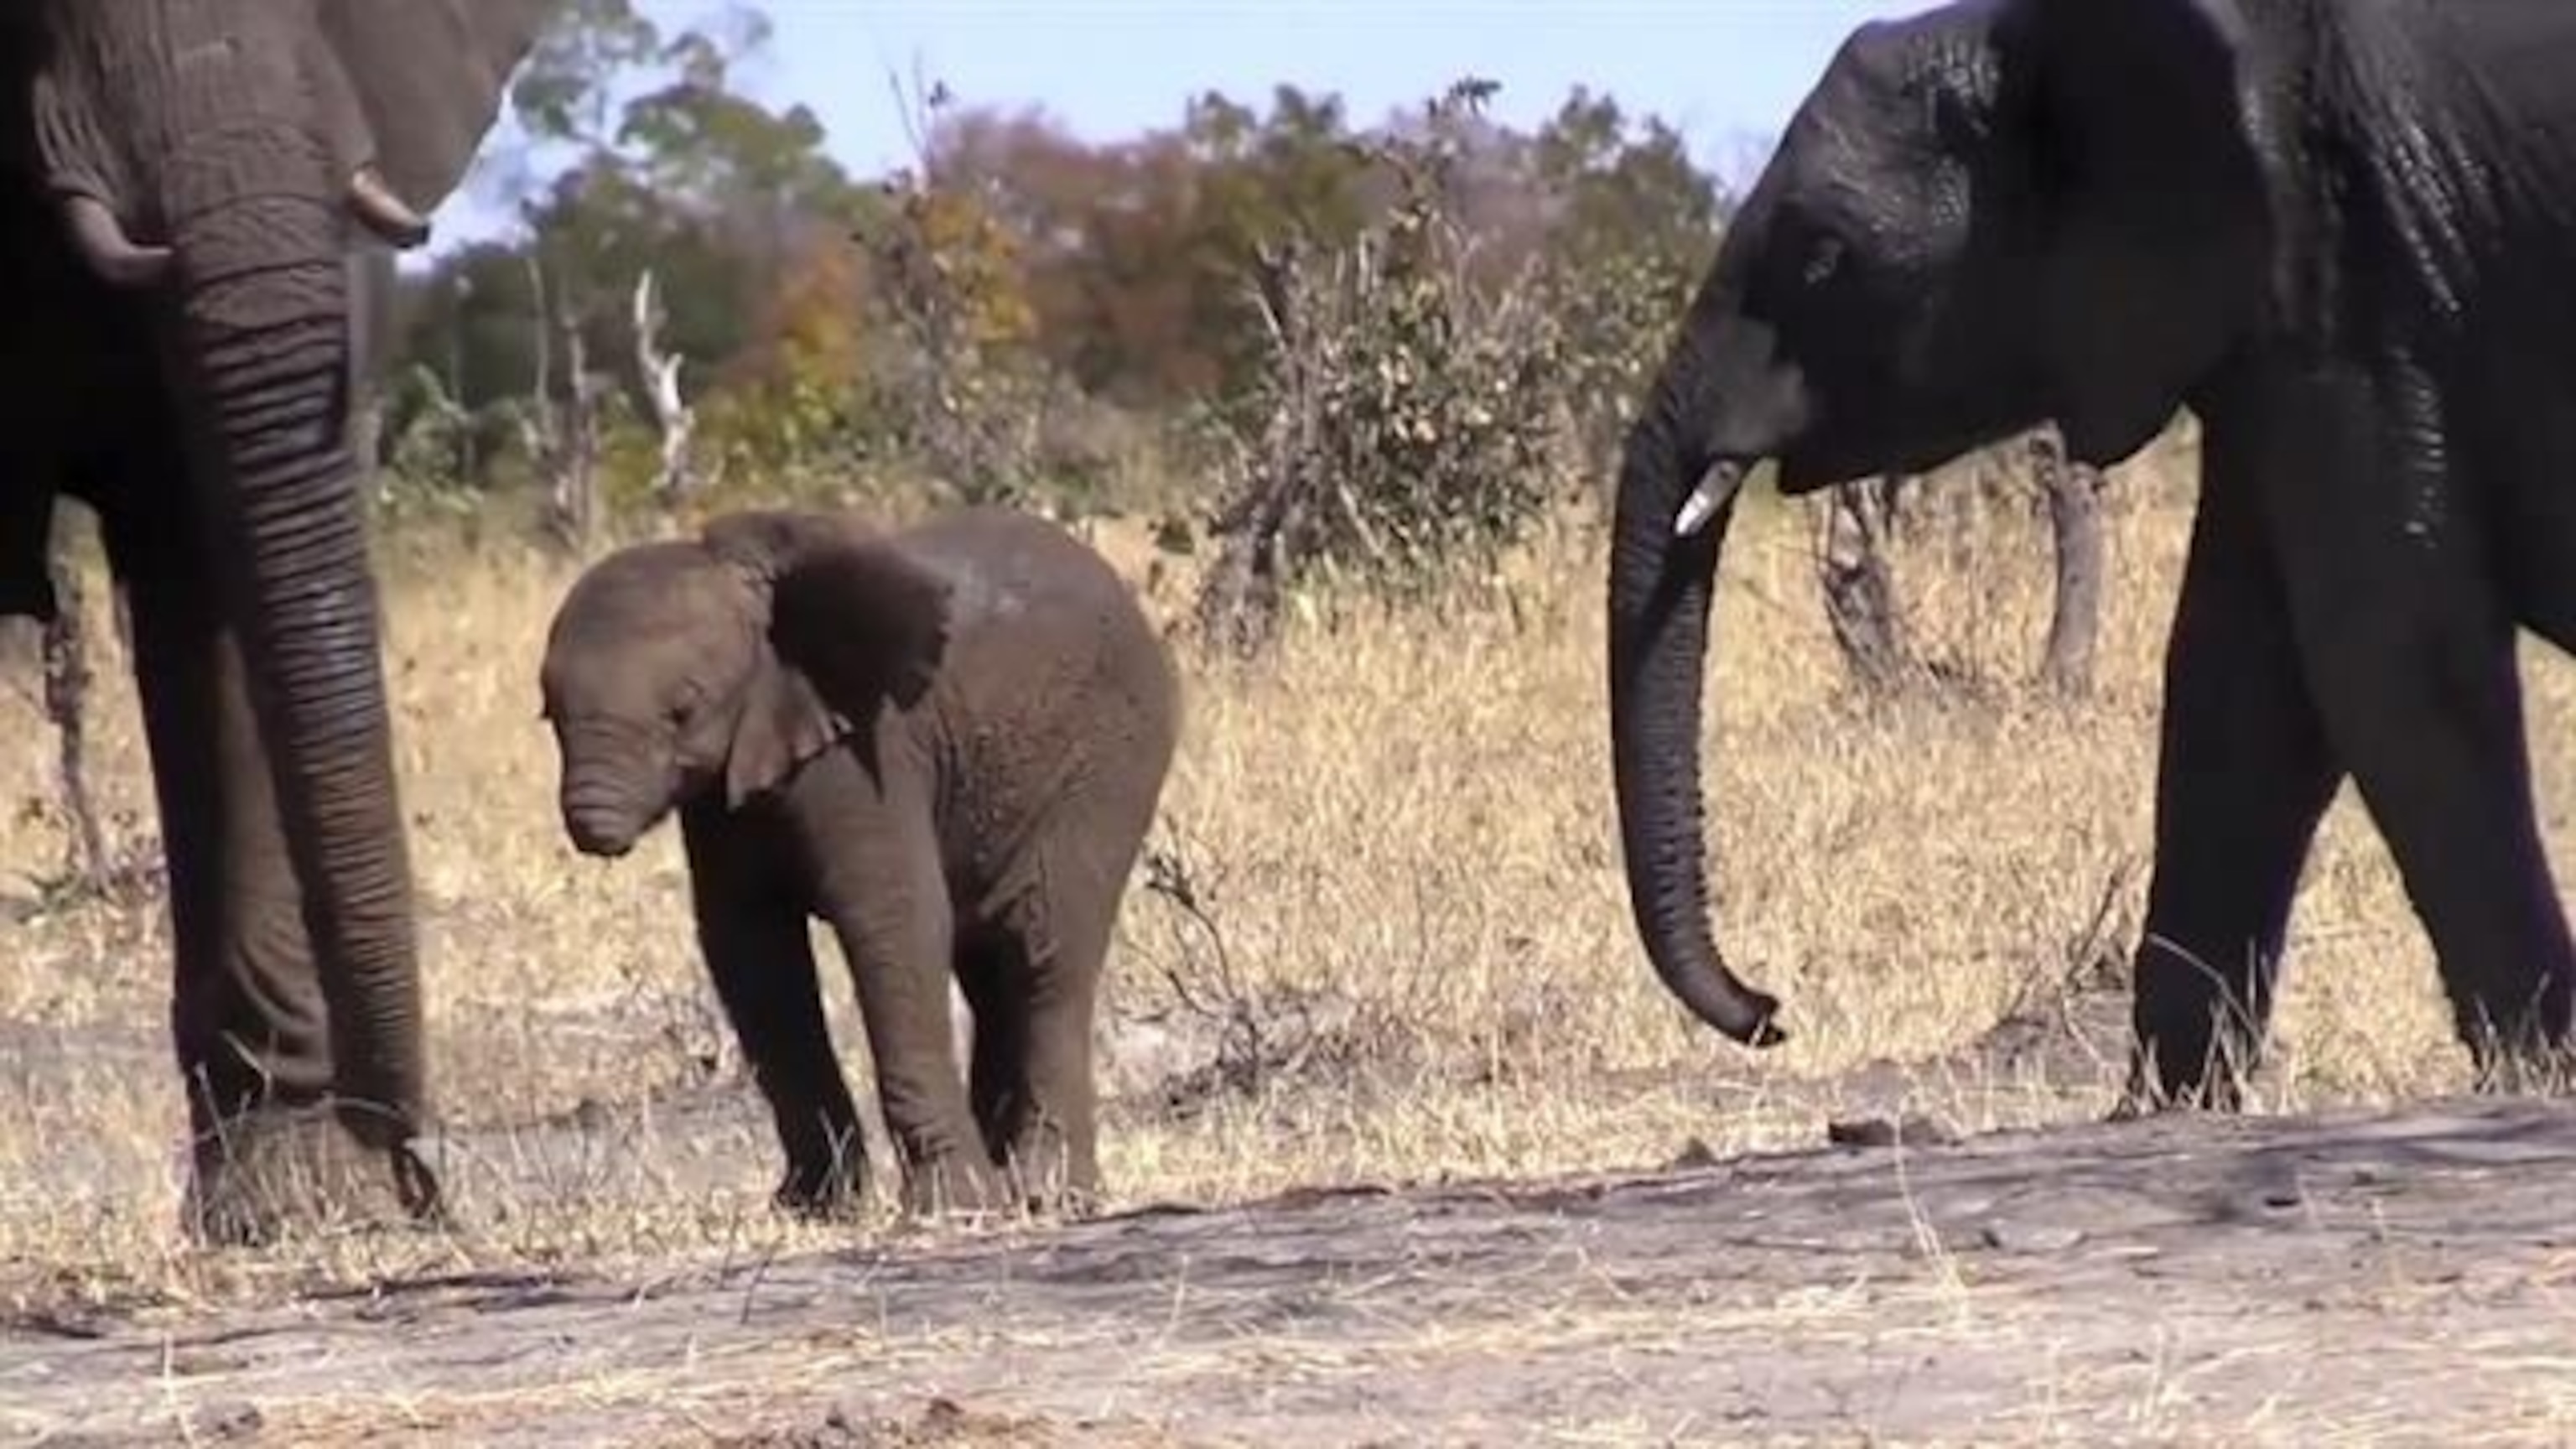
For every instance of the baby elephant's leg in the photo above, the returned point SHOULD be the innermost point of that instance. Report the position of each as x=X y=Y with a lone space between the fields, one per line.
x=989 y=970
x=753 y=936
x=1035 y=1087
x=899 y=945
x=902 y=968
x=882 y=886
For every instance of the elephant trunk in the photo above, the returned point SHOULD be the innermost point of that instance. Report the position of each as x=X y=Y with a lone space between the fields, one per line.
x=264 y=310
x=1666 y=538
x=606 y=806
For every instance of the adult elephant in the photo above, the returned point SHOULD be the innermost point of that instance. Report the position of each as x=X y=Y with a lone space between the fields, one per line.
x=187 y=193
x=2342 y=235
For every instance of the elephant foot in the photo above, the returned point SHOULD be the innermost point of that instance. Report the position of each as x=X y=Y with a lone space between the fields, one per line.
x=832 y=1191
x=1045 y=1174
x=276 y=1171
x=2142 y=1097
x=955 y=1186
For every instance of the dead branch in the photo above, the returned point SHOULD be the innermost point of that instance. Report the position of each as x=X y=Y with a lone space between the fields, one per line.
x=659 y=372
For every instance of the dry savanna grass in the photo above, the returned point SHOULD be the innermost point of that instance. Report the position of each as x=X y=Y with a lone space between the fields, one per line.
x=1390 y=941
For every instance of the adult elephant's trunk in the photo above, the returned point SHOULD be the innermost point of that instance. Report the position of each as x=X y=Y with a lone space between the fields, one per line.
x=264 y=311
x=1660 y=591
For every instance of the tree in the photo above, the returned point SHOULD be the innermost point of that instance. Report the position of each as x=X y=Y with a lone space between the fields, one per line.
x=655 y=166
x=1631 y=225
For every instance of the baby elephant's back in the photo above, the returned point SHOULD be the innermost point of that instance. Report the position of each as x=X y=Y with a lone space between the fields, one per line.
x=1055 y=685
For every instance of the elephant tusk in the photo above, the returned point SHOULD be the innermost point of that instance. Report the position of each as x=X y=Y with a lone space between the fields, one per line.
x=1717 y=488
x=110 y=253
x=380 y=211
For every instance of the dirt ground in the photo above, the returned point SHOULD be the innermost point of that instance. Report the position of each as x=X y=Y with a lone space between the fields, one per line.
x=2381 y=1278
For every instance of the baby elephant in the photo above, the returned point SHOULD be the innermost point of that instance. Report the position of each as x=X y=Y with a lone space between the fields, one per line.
x=947 y=744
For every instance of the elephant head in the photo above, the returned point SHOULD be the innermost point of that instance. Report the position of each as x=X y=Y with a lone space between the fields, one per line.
x=217 y=165
x=1985 y=217
x=677 y=670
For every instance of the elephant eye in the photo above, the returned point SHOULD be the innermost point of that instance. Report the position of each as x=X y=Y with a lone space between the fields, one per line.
x=1824 y=260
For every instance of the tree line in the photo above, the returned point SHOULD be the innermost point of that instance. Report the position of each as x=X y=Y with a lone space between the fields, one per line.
x=699 y=294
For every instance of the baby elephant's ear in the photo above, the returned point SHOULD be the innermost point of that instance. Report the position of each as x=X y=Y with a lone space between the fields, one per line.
x=784 y=723
x=866 y=621
x=767 y=542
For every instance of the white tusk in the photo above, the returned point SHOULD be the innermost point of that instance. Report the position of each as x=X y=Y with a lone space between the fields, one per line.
x=1717 y=488
x=103 y=244
x=387 y=215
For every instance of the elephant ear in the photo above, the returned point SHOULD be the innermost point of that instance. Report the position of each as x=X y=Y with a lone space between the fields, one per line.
x=2148 y=149
x=867 y=621
x=428 y=75
x=784 y=723
x=855 y=624
x=2136 y=104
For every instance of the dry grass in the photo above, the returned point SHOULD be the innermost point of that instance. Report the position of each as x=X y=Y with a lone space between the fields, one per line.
x=1403 y=822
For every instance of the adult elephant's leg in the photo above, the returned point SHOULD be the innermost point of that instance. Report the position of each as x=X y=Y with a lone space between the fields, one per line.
x=2409 y=649
x=248 y=1017
x=2244 y=776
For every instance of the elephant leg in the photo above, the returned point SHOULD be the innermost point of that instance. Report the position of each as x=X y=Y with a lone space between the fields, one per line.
x=2408 y=647
x=272 y=1149
x=26 y=550
x=1048 y=968
x=902 y=972
x=885 y=893
x=902 y=969
x=2244 y=776
x=987 y=961
x=751 y=931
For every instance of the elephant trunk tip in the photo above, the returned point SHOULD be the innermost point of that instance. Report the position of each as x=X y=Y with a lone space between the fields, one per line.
x=1711 y=992
x=601 y=834
x=600 y=843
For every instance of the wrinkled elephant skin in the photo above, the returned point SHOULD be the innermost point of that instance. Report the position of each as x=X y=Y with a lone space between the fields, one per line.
x=2341 y=235
x=946 y=744
x=194 y=200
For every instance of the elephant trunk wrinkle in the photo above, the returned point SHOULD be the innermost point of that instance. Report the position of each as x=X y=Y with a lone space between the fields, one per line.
x=605 y=808
x=263 y=301
x=1661 y=586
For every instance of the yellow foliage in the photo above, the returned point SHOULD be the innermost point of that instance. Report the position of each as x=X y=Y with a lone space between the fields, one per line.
x=953 y=253
x=814 y=317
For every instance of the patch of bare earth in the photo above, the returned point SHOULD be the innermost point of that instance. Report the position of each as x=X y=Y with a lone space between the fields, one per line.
x=2403 y=1277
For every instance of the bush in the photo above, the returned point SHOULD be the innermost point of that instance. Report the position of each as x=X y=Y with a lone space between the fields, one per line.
x=1403 y=427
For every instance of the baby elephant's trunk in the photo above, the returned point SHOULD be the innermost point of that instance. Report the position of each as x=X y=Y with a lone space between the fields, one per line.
x=604 y=812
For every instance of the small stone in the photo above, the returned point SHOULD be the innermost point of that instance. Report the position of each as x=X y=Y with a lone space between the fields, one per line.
x=1913 y=1130
x=2042 y=1239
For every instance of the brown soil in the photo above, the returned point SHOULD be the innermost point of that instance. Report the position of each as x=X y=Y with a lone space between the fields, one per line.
x=2395 y=1277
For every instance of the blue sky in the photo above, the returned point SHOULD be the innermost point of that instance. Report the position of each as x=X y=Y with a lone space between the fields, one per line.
x=1726 y=72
